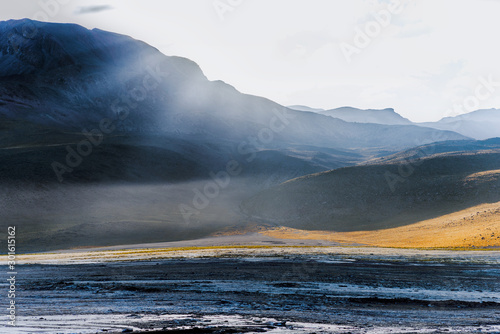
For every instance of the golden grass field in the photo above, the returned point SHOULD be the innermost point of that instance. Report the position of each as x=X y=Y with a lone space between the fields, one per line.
x=476 y=227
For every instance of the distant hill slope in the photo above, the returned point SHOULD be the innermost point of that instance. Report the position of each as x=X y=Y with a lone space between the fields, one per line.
x=306 y=108
x=450 y=146
x=382 y=195
x=479 y=124
x=377 y=116
x=349 y=114
x=477 y=226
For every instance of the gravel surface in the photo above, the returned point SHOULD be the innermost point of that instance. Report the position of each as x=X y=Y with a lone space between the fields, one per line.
x=336 y=293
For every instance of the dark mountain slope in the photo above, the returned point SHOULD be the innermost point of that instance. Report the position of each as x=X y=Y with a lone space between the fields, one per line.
x=451 y=146
x=382 y=195
x=58 y=82
x=66 y=76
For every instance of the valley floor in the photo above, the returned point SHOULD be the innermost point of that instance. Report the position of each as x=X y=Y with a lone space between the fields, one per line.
x=274 y=289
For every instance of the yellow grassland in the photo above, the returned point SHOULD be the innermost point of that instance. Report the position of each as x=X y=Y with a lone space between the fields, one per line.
x=476 y=227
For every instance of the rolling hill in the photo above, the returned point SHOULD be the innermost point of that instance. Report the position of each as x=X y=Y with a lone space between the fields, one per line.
x=382 y=195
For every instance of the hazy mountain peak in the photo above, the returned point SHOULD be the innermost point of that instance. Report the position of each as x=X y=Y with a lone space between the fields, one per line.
x=491 y=114
x=478 y=124
x=385 y=116
x=306 y=108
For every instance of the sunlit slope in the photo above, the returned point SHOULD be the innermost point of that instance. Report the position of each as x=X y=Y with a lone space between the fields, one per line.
x=478 y=226
x=382 y=195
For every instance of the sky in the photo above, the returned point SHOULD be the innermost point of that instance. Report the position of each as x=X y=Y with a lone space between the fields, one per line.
x=427 y=59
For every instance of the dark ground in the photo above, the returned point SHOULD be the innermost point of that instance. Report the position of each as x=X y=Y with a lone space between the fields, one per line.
x=363 y=296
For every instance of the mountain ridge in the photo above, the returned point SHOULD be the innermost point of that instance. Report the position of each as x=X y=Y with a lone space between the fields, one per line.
x=478 y=124
x=111 y=77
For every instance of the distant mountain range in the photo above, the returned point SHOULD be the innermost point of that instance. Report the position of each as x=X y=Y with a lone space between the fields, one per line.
x=376 y=116
x=479 y=124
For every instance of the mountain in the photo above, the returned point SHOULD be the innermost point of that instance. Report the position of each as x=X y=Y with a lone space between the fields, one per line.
x=65 y=78
x=349 y=114
x=306 y=108
x=400 y=191
x=479 y=124
x=377 y=116
x=102 y=132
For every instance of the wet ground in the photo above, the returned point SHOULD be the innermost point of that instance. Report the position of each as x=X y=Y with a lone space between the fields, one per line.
x=336 y=293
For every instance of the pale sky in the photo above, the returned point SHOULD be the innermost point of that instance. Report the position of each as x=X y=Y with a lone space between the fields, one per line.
x=420 y=58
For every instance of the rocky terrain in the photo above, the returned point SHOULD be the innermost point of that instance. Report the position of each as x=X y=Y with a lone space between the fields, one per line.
x=275 y=290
